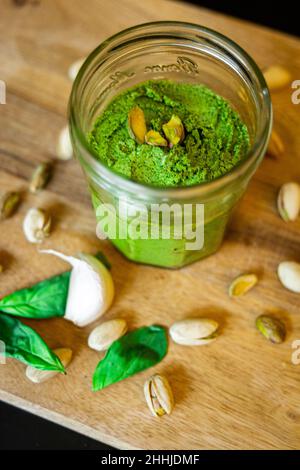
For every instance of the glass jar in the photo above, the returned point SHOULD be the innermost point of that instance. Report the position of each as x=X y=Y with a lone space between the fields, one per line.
x=182 y=52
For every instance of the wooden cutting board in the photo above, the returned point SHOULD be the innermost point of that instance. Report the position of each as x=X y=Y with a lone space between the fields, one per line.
x=240 y=392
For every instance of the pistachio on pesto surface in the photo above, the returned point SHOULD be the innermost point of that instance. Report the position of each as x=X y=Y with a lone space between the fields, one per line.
x=214 y=139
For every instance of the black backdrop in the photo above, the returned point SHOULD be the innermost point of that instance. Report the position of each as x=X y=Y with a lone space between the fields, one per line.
x=284 y=16
x=22 y=430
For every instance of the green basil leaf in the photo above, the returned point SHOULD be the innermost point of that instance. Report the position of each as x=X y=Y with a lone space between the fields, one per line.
x=23 y=343
x=130 y=354
x=43 y=300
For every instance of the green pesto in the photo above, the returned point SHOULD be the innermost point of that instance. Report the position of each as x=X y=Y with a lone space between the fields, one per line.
x=215 y=140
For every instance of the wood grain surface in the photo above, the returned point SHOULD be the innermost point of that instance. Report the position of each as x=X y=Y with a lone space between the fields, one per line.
x=240 y=392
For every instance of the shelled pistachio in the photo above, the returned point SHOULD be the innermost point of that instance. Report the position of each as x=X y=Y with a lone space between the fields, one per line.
x=9 y=202
x=40 y=177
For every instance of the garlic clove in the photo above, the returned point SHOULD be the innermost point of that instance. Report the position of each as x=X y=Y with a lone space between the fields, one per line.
x=36 y=225
x=74 y=69
x=289 y=275
x=64 y=149
x=38 y=376
x=91 y=288
x=102 y=337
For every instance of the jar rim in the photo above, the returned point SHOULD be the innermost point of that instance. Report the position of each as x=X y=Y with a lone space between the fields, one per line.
x=256 y=150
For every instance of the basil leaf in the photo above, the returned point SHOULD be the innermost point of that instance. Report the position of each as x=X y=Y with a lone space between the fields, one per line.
x=43 y=300
x=23 y=343
x=130 y=354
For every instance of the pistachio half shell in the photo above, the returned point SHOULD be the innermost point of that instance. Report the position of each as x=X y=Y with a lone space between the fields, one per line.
x=275 y=147
x=105 y=334
x=38 y=376
x=242 y=284
x=40 y=177
x=37 y=225
x=64 y=149
x=288 y=201
x=159 y=395
x=277 y=77
x=74 y=69
x=174 y=130
x=137 y=124
x=154 y=138
x=271 y=328
x=8 y=204
x=289 y=275
x=194 y=331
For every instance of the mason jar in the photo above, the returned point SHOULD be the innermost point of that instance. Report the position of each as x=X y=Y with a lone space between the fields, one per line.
x=140 y=219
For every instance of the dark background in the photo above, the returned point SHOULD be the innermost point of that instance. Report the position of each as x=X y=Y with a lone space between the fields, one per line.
x=21 y=430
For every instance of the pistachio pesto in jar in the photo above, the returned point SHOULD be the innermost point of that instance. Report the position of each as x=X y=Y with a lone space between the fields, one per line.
x=170 y=134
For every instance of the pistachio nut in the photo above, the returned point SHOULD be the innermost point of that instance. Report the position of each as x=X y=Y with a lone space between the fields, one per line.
x=137 y=124
x=105 y=334
x=74 y=69
x=154 y=138
x=159 y=395
x=271 y=328
x=277 y=77
x=64 y=149
x=36 y=225
x=40 y=177
x=242 y=284
x=288 y=201
x=194 y=331
x=174 y=130
x=38 y=376
x=289 y=275
x=9 y=202
x=275 y=147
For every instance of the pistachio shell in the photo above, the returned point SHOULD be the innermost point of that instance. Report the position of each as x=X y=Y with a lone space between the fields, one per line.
x=137 y=124
x=194 y=331
x=242 y=284
x=271 y=328
x=275 y=147
x=36 y=225
x=74 y=69
x=288 y=201
x=105 y=334
x=40 y=177
x=8 y=204
x=289 y=275
x=64 y=149
x=174 y=130
x=38 y=376
x=159 y=395
x=154 y=138
x=277 y=77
